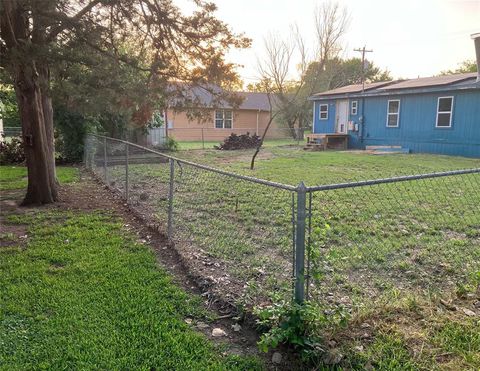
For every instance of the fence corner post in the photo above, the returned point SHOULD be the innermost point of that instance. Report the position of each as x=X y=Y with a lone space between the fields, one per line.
x=300 y=243
x=170 y=200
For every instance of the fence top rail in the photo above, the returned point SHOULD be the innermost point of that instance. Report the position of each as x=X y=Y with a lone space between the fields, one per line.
x=286 y=187
x=405 y=178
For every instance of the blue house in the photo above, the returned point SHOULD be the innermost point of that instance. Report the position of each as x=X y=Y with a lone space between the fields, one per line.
x=433 y=114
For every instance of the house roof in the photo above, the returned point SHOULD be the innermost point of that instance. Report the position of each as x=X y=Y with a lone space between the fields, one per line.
x=356 y=88
x=254 y=101
x=410 y=86
x=431 y=81
x=207 y=97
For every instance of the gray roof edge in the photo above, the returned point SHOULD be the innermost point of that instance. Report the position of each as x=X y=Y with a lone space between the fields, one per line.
x=379 y=93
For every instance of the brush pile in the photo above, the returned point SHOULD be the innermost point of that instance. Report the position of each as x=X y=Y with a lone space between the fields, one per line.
x=243 y=141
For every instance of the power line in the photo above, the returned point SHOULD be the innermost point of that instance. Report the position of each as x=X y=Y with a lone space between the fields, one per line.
x=363 y=51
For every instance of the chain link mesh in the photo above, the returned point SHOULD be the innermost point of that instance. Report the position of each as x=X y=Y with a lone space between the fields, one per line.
x=374 y=243
x=365 y=243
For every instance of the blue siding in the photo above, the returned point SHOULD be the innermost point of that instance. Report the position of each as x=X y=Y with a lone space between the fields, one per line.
x=417 y=122
x=324 y=126
x=416 y=130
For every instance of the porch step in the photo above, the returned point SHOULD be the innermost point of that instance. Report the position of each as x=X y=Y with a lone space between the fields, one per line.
x=314 y=146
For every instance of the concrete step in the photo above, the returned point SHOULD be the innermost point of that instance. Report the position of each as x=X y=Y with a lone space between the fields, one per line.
x=390 y=150
x=372 y=148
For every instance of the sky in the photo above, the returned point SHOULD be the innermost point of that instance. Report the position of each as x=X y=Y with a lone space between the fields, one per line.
x=410 y=38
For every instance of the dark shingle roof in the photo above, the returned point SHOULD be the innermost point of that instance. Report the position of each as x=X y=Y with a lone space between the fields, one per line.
x=424 y=82
x=209 y=97
x=255 y=101
x=458 y=81
x=357 y=88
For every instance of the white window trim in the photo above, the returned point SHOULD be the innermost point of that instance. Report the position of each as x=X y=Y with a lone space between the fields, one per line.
x=223 y=119
x=356 y=108
x=450 y=112
x=320 y=112
x=397 y=113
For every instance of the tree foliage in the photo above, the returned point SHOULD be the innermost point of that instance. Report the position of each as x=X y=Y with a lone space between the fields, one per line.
x=463 y=67
x=114 y=56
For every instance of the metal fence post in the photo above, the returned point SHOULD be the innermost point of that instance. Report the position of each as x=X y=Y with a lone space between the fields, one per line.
x=300 y=244
x=170 y=200
x=105 y=160
x=126 y=172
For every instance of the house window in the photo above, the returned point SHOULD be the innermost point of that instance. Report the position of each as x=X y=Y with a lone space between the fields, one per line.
x=354 y=107
x=223 y=119
x=444 y=112
x=393 y=113
x=324 y=112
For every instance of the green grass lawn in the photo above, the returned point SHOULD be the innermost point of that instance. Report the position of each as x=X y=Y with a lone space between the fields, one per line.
x=269 y=143
x=82 y=294
x=292 y=165
x=79 y=292
x=15 y=177
x=389 y=248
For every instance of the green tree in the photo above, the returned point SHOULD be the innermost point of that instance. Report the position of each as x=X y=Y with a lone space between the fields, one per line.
x=464 y=67
x=341 y=72
x=38 y=38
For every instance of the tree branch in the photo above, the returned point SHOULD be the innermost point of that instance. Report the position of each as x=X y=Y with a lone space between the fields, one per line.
x=70 y=21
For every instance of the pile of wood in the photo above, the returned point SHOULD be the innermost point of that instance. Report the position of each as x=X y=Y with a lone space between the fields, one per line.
x=243 y=141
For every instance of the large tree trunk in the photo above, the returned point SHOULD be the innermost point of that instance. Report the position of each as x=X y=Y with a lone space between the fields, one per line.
x=35 y=109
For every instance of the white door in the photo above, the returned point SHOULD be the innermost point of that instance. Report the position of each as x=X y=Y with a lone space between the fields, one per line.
x=342 y=116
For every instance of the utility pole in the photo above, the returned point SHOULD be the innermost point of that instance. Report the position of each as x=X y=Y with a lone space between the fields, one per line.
x=363 y=51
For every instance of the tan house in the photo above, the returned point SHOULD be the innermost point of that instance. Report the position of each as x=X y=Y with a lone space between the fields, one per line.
x=251 y=116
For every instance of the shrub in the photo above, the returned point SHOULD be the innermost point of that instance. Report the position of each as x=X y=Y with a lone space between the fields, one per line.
x=243 y=141
x=70 y=131
x=297 y=325
x=11 y=152
x=169 y=145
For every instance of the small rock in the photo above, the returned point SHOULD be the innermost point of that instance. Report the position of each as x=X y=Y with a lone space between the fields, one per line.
x=236 y=327
x=333 y=357
x=218 y=332
x=188 y=321
x=365 y=336
x=477 y=304
x=359 y=348
x=447 y=305
x=469 y=312
x=202 y=325
x=365 y=325
x=276 y=358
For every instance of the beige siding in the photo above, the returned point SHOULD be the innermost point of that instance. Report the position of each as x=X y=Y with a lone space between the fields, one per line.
x=181 y=128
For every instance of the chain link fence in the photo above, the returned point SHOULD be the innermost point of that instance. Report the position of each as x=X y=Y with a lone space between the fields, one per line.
x=341 y=244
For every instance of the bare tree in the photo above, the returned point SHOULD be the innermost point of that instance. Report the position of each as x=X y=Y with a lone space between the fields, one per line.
x=331 y=22
x=287 y=96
